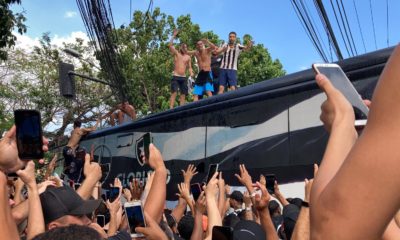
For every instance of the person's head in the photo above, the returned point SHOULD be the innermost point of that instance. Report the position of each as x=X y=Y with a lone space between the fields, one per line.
x=200 y=45
x=185 y=226
x=77 y=123
x=183 y=48
x=274 y=208
x=62 y=206
x=230 y=221
x=125 y=103
x=71 y=232
x=236 y=200
x=290 y=215
x=246 y=229
x=232 y=37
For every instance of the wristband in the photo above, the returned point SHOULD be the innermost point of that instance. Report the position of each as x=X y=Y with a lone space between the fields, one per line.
x=248 y=209
x=305 y=204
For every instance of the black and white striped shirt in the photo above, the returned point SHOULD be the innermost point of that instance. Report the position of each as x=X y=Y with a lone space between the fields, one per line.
x=230 y=58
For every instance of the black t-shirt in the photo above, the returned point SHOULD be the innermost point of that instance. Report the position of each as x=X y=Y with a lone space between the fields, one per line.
x=215 y=65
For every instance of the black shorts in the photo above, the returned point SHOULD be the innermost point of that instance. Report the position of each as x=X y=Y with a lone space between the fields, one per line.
x=203 y=77
x=181 y=83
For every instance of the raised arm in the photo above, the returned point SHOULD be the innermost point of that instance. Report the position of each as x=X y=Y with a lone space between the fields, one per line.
x=222 y=49
x=261 y=204
x=8 y=229
x=92 y=172
x=155 y=201
x=172 y=49
x=374 y=158
x=35 y=216
x=91 y=129
x=210 y=44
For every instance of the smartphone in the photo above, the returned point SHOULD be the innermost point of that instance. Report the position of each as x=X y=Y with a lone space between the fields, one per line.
x=101 y=220
x=76 y=186
x=29 y=134
x=195 y=189
x=211 y=170
x=340 y=81
x=222 y=233
x=135 y=217
x=270 y=183
x=146 y=144
x=113 y=194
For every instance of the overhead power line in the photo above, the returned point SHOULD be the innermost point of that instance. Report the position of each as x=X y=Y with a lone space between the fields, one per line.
x=348 y=26
x=373 y=23
x=308 y=27
x=359 y=26
x=327 y=25
x=341 y=32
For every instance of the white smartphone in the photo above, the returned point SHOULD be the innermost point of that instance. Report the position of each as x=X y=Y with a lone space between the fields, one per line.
x=340 y=81
x=135 y=216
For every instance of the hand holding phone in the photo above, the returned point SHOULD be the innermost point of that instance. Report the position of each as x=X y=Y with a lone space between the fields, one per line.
x=270 y=183
x=29 y=134
x=146 y=144
x=213 y=168
x=195 y=189
x=113 y=194
x=340 y=81
x=135 y=217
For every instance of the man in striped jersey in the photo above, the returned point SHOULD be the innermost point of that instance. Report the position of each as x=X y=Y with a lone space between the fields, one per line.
x=228 y=71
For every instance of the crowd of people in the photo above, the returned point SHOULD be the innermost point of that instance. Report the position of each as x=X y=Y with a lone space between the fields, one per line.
x=353 y=194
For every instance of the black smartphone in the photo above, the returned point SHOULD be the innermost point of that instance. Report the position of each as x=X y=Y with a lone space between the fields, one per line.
x=105 y=170
x=270 y=182
x=135 y=216
x=29 y=134
x=114 y=193
x=340 y=81
x=76 y=186
x=195 y=189
x=211 y=170
x=222 y=233
x=101 y=220
x=146 y=144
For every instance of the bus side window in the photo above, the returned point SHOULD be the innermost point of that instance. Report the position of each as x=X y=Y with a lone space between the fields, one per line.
x=124 y=140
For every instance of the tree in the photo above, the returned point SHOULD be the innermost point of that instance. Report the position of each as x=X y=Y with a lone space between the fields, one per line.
x=149 y=64
x=31 y=81
x=8 y=21
x=257 y=65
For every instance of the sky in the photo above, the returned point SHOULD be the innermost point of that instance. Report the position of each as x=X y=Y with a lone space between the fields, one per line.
x=272 y=23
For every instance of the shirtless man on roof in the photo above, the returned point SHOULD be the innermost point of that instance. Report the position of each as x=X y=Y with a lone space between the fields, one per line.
x=182 y=61
x=204 y=80
x=73 y=154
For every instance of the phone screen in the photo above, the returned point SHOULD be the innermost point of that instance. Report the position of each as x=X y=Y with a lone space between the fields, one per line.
x=340 y=81
x=101 y=220
x=270 y=183
x=146 y=144
x=113 y=193
x=76 y=186
x=135 y=217
x=29 y=134
x=222 y=233
x=195 y=189
x=211 y=170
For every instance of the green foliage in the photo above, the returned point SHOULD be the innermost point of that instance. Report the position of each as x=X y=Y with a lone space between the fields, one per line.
x=149 y=64
x=8 y=21
x=30 y=80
